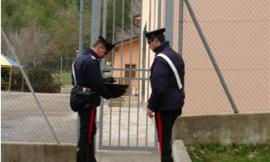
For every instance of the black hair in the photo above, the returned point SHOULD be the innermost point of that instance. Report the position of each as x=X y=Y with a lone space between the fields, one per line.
x=97 y=43
x=161 y=38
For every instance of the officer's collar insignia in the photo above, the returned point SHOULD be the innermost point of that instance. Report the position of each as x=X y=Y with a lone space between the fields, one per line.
x=93 y=57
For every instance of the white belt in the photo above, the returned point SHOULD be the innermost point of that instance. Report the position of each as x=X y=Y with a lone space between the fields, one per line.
x=169 y=61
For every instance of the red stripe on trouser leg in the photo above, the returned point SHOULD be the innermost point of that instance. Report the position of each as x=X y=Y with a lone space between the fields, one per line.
x=159 y=124
x=91 y=124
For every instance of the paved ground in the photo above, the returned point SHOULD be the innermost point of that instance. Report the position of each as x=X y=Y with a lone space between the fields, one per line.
x=22 y=121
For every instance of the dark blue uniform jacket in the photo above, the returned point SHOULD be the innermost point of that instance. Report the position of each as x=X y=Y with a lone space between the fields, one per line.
x=165 y=94
x=88 y=74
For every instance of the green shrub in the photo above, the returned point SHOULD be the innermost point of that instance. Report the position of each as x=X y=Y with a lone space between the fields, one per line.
x=42 y=80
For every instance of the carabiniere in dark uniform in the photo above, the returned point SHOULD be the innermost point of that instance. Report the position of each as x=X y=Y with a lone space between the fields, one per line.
x=89 y=86
x=167 y=97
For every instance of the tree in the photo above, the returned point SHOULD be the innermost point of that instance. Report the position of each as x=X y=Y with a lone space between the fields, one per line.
x=31 y=43
x=57 y=22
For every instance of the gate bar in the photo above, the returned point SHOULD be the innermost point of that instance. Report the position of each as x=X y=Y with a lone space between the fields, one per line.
x=181 y=27
x=122 y=57
x=130 y=60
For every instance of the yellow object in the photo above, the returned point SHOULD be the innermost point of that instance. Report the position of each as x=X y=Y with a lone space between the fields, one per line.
x=4 y=62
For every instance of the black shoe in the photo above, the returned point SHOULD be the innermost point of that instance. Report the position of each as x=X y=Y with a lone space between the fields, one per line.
x=91 y=153
x=86 y=154
x=81 y=154
x=166 y=159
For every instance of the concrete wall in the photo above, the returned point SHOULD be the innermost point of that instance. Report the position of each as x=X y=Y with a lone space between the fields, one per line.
x=12 y=152
x=225 y=129
x=23 y=152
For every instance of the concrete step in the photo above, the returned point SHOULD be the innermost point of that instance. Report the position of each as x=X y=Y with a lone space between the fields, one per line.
x=37 y=152
x=117 y=156
x=180 y=153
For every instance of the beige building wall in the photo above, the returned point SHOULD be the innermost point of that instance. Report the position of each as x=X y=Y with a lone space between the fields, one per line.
x=238 y=32
x=149 y=22
x=147 y=25
x=239 y=35
x=127 y=54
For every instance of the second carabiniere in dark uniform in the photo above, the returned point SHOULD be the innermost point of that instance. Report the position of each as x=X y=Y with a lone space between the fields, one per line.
x=167 y=97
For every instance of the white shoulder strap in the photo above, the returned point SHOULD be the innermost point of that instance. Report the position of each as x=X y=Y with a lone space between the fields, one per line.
x=168 y=60
x=73 y=73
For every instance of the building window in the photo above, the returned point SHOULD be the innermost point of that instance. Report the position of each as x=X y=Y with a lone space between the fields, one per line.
x=129 y=72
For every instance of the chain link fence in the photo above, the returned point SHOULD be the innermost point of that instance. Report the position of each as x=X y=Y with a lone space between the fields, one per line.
x=238 y=32
x=22 y=119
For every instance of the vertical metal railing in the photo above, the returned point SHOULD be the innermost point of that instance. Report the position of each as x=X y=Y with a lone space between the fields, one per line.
x=94 y=21
x=81 y=26
x=148 y=74
x=169 y=20
x=104 y=18
x=130 y=66
x=113 y=52
x=159 y=12
x=181 y=27
x=121 y=62
x=81 y=31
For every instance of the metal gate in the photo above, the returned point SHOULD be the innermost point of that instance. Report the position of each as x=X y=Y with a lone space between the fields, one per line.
x=123 y=123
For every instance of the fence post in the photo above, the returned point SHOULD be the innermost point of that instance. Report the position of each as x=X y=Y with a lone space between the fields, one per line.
x=181 y=27
x=169 y=20
x=81 y=26
x=94 y=22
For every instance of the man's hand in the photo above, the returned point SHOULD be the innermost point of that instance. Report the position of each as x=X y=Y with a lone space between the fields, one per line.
x=150 y=113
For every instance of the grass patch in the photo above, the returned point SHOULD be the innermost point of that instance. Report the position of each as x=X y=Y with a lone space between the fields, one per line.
x=65 y=78
x=229 y=153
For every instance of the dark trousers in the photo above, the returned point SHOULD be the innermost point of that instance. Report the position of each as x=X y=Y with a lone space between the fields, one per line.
x=86 y=145
x=164 y=124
